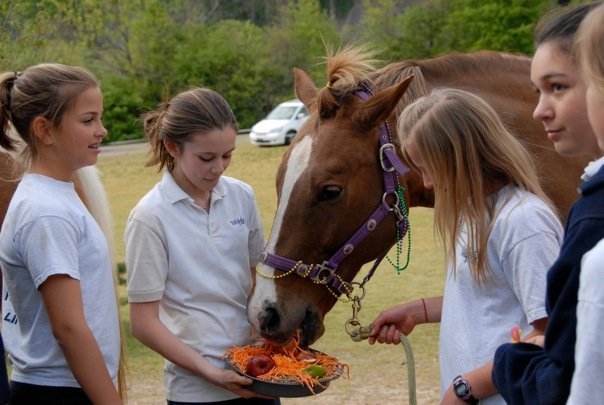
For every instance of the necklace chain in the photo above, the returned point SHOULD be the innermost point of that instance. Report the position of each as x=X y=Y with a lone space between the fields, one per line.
x=399 y=240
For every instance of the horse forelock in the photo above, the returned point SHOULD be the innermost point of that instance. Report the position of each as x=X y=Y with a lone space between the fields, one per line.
x=346 y=69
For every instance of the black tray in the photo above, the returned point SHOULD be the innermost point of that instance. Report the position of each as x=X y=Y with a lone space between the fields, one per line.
x=285 y=389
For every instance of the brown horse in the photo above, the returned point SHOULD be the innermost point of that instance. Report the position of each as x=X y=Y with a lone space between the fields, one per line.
x=335 y=174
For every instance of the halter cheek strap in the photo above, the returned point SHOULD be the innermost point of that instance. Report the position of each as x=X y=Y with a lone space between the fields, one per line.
x=325 y=273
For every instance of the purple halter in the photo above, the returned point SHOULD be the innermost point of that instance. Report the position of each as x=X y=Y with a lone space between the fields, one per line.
x=325 y=273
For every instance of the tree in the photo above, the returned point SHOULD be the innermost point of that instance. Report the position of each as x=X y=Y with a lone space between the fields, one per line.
x=433 y=27
x=473 y=25
x=231 y=58
x=299 y=39
x=29 y=35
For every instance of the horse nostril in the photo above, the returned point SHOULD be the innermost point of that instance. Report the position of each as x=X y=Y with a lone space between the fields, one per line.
x=269 y=320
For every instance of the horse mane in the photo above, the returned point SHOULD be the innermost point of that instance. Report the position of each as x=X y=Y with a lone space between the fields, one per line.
x=346 y=69
x=442 y=69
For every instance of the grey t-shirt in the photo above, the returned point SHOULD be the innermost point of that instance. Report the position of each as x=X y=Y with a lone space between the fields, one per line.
x=49 y=231
x=524 y=242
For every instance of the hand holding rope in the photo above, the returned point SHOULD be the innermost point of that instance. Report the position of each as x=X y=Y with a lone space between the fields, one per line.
x=359 y=333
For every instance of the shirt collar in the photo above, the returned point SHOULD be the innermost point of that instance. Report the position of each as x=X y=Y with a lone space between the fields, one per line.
x=175 y=194
x=592 y=168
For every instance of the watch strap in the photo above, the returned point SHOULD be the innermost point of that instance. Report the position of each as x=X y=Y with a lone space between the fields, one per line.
x=466 y=392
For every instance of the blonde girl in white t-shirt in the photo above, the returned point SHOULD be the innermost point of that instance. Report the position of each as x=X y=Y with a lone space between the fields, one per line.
x=60 y=314
x=499 y=232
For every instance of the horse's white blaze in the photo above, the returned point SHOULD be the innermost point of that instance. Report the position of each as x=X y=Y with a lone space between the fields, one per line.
x=265 y=287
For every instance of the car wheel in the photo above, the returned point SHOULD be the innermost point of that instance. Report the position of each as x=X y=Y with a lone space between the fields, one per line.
x=289 y=136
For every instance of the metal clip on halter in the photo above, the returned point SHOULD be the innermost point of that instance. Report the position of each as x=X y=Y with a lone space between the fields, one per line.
x=353 y=325
x=360 y=334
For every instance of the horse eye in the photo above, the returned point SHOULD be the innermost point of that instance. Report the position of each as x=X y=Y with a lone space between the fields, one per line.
x=329 y=193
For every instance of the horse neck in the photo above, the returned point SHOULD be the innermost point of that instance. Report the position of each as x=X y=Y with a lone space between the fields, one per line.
x=486 y=71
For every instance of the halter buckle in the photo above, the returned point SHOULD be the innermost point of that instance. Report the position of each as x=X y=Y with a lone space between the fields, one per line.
x=324 y=273
x=384 y=158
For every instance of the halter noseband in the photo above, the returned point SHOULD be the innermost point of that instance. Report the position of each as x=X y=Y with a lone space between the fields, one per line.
x=325 y=273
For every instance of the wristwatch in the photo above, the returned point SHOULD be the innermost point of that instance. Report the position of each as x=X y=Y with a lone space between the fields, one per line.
x=463 y=390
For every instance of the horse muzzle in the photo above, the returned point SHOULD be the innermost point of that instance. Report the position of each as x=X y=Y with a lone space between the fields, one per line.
x=278 y=325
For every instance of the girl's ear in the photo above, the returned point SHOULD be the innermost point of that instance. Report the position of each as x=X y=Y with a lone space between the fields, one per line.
x=41 y=129
x=172 y=148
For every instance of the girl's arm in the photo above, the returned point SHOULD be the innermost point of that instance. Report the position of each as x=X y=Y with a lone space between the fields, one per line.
x=537 y=335
x=148 y=328
x=403 y=318
x=480 y=379
x=481 y=384
x=62 y=299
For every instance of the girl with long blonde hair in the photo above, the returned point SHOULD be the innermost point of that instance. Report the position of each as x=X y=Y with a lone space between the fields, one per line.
x=499 y=231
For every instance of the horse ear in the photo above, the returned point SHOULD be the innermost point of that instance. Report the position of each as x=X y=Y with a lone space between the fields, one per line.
x=306 y=90
x=378 y=108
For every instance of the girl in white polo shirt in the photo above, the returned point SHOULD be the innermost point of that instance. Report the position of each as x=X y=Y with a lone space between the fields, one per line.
x=192 y=243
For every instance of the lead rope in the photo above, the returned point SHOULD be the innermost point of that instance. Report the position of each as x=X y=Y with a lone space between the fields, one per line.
x=359 y=333
x=410 y=369
x=403 y=338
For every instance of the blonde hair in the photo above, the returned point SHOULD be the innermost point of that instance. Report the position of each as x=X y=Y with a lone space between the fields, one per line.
x=590 y=39
x=468 y=153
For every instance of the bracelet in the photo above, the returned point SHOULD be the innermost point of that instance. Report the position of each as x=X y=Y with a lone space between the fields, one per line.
x=425 y=310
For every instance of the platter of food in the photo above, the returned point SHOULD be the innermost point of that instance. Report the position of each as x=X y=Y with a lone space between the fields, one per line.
x=288 y=371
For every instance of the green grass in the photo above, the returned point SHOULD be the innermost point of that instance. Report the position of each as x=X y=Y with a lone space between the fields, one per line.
x=377 y=374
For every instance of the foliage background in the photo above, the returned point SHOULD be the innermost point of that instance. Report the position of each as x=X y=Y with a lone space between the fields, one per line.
x=145 y=51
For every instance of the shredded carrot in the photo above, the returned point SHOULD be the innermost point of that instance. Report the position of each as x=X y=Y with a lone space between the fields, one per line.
x=288 y=368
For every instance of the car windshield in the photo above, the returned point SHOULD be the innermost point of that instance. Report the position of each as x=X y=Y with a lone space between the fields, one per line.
x=282 y=112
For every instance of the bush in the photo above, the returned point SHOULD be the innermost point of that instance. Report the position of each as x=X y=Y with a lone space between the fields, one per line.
x=124 y=105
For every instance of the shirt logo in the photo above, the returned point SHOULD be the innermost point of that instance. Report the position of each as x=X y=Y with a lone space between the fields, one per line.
x=9 y=317
x=237 y=221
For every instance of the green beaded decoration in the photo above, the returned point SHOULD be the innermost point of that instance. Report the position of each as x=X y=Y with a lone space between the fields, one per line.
x=399 y=240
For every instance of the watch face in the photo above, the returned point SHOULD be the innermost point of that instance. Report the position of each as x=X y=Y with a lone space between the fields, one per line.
x=461 y=389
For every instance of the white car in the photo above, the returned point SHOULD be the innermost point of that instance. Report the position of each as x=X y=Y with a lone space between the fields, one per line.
x=280 y=125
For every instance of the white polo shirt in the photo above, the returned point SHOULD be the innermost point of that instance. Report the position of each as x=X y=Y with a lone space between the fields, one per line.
x=198 y=265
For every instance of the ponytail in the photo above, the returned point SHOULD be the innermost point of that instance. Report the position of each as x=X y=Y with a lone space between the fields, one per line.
x=152 y=125
x=7 y=81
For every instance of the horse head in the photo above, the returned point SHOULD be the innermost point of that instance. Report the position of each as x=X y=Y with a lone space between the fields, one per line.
x=329 y=183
